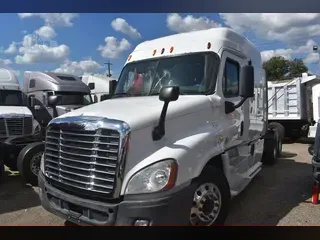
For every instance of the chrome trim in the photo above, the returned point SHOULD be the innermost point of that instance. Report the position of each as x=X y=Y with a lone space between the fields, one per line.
x=86 y=123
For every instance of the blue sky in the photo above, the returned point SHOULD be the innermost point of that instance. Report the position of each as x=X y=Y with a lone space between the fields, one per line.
x=81 y=43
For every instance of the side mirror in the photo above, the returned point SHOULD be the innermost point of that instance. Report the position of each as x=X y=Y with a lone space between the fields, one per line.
x=91 y=86
x=52 y=100
x=112 y=86
x=246 y=89
x=167 y=94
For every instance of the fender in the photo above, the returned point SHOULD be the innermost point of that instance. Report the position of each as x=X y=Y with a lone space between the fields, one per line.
x=207 y=141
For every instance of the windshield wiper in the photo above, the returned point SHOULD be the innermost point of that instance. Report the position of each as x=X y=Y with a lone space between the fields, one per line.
x=121 y=94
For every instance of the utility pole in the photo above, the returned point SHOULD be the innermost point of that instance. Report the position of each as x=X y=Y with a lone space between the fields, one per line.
x=316 y=49
x=109 y=69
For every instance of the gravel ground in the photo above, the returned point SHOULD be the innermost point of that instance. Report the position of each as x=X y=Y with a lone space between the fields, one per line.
x=279 y=195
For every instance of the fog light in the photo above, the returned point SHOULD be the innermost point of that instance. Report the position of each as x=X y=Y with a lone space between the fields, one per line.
x=142 y=223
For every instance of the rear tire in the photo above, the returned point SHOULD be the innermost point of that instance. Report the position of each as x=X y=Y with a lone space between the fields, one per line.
x=280 y=132
x=29 y=162
x=211 y=199
x=270 y=152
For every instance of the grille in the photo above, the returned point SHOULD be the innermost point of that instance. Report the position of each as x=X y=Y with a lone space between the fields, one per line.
x=15 y=126
x=82 y=161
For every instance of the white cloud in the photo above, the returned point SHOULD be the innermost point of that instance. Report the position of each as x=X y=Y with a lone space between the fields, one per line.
x=33 y=52
x=289 y=53
x=121 y=25
x=12 y=48
x=46 y=32
x=5 y=61
x=53 y=19
x=176 y=23
x=112 y=48
x=79 y=68
x=286 y=27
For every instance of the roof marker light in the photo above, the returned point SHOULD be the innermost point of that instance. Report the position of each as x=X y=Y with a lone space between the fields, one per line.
x=154 y=52
x=209 y=45
x=129 y=57
x=162 y=51
x=171 y=49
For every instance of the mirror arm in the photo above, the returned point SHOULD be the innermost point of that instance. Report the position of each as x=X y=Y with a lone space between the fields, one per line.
x=230 y=106
x=159 y=130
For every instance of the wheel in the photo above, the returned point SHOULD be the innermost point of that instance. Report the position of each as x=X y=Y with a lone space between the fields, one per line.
x=29 y=162
x=211 y=199
x=279 y=126
x=270 y=152
x=311 y=150
x=280 y=131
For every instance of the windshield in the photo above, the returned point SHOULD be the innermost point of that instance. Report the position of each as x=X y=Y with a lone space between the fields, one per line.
x=73 y=98
x=11 y=98
x=193 y=73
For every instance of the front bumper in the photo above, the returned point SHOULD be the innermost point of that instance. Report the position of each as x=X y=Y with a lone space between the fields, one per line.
x=158 y=209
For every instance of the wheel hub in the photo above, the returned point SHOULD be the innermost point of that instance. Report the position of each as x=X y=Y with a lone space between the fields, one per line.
x=206 y=205
x=35 y=163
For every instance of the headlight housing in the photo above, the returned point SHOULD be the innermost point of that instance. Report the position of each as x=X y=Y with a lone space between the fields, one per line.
x=42 y=163
x=158 y=176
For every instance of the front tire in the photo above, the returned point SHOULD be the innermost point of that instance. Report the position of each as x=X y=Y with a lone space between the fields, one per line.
x=211 y=199
x=29 y=162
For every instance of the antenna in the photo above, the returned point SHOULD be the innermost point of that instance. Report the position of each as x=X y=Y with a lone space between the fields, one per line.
x=109 y=68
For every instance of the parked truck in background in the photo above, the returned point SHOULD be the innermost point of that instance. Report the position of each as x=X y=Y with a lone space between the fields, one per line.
x=16 y=120
x=49 y=95
x=181 y=136
x=293 y=105
x=99 y=86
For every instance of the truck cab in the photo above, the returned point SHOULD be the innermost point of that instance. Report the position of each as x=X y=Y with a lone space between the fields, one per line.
x=15 y=117
x=99 y=86
x=67 y=90
x=181 y=136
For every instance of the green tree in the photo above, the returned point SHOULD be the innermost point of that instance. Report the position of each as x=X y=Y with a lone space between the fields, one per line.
x=276 y=68
x=296 y=68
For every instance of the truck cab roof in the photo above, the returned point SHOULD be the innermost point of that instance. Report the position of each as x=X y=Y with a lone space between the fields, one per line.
x=212 y=40
x=8 y=80
x=52 y=81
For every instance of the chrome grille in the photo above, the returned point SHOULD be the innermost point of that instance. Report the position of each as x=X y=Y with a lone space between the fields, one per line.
x=82 y=159
x=15 y=126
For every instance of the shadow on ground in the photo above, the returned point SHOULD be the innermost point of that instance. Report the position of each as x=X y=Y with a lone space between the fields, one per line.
x=274 y=192
x=14 y=195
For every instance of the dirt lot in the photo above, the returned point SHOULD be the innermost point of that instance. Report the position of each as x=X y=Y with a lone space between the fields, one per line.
x=279 y=195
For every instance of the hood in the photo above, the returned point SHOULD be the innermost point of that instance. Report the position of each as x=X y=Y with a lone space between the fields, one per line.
x=15 y=110
x=67 y=108
x=140 y=112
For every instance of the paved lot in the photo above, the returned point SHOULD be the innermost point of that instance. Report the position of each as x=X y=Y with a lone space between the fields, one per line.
x=279 y=195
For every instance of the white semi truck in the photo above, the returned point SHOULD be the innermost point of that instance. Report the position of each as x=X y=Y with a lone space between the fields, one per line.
x=101 y=87
x=185 y=131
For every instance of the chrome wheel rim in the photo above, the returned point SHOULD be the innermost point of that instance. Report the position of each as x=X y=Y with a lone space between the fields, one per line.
x=206 y=205
x=35 y=163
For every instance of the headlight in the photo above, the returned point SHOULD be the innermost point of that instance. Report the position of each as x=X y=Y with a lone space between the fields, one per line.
x=42 y=163
x=156 y=177
x=37 y=129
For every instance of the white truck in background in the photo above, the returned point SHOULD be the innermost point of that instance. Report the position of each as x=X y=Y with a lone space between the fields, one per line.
x=15 y=117
x=181 y=136
x=100 y=86
x=293 y=105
